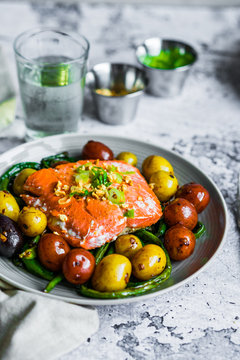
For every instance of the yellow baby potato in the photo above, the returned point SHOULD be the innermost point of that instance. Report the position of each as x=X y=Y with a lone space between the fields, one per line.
x=112 y=273
x=8 y=205
x=155 y=163
x=148 y=262
x=165 y=185
x=127 y=245
x=31 y=221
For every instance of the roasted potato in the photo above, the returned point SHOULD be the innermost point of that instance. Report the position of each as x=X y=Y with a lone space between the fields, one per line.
x=52 y=250
x=8 y=205
x=128 y=157
x=20 y=180
x=148 y=262
x=127 y=245
x=31 y=221
x=112 y=273
x=78 y=266
x=11 y=239
x=196 y=194
x=181 y=211
x=164 y=185
x=155 y=163
x=179 y=241
x=96 y=150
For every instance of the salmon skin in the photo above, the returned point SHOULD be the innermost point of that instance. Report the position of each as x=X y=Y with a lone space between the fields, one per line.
x=91 y=220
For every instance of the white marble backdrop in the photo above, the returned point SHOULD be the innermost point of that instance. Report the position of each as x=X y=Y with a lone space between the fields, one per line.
x=201 y=319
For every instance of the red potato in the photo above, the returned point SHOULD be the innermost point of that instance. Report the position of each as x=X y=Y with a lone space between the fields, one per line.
x=52 y=250
x=179 y=241
x=96 y=150
x=78 y=266
x=196 y=194
x=181 y=211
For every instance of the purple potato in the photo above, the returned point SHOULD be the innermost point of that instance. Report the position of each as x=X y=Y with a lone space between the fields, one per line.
x=11 y=239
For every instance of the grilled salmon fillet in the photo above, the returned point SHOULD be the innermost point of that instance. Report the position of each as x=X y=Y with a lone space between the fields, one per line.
x=88 y=219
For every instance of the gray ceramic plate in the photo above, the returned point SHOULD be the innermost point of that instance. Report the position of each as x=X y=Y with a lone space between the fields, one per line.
x=214 y=217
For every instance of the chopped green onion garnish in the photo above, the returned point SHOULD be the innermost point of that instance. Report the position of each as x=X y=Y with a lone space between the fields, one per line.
x=129 y=214
x=88 y=164
x=116 y=196
x=118 y=178
x=82 y=193
x=99 y=177
x=112 y=168
x=128 y=172
x=83 y=167
x=82 y=176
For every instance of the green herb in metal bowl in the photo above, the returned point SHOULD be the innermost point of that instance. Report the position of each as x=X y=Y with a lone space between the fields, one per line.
x=168 y=59
x=166 y=64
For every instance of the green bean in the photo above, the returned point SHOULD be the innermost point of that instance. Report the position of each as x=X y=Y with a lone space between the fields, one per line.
x=92 y=251
x=17 y=262
x=114 y=294
x=30 y=253
x=14 y=171
x=150 y=228
x=199 y=230
x=148 y=237
x=35 y=240
x=19 y=201
x=134 y=289
x=31 y=243
x=50 y=160
x=30 y=262
x=35 y=268
x=52 y=283
x=101 y=252
x=4 y=183
x=162 y=227
x=138 y=289
x=110 y=249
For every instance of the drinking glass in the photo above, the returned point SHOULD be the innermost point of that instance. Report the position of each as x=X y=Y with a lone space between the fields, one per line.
x=51 y=67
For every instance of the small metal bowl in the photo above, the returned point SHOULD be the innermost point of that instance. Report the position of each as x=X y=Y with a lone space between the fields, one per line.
x=116 y=110
x=162 y=82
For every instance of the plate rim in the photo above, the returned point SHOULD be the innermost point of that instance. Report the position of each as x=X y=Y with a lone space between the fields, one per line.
x=99 y=302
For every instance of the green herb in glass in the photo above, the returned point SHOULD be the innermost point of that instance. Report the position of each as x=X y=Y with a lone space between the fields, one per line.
x=55 y=75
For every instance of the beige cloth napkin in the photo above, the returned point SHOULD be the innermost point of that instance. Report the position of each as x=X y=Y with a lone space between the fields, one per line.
x=33 y=327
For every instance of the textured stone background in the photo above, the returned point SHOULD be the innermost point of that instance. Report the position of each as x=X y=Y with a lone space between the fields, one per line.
x=201 y=319
x=158 y=2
